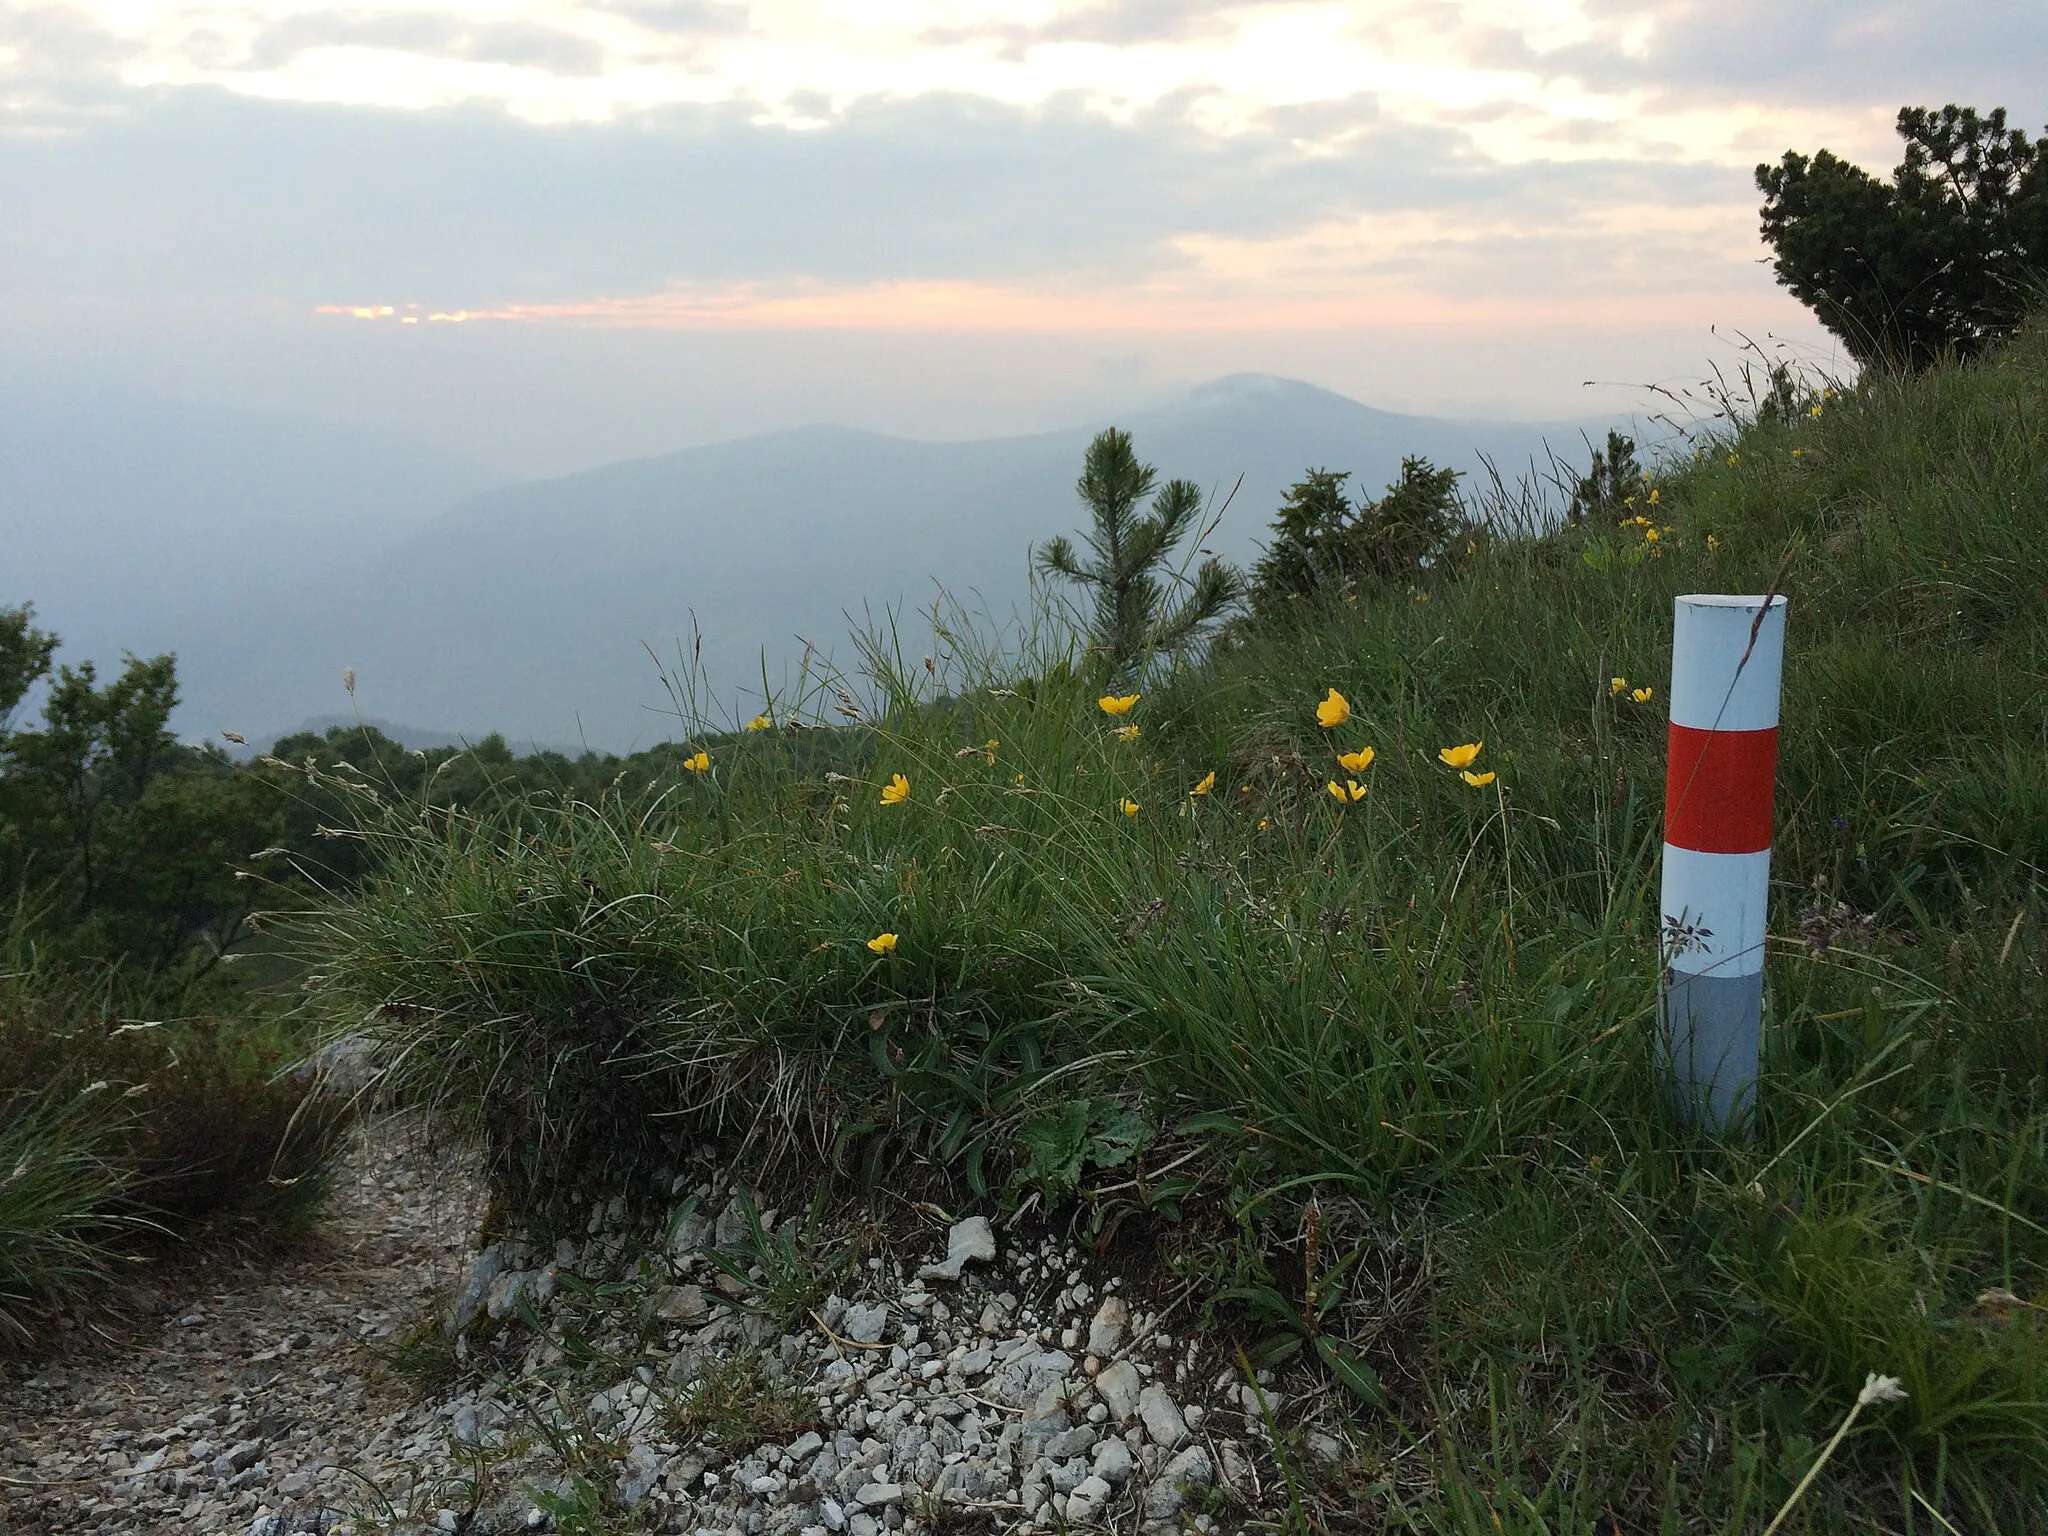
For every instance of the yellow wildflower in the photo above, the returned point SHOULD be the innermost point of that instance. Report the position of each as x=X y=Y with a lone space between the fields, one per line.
x=1113 y=705
x=1798 y=453
x=883 y=943
x=896 y=791
x=760 y=723
x=1356 y=762
x=1128 y=807
x=988 y=750
x=1350 y=792
x=1650 y=535
x=1127 y=733
x=1656 y=496
x=1208 y=783
x=1734 y=459
x=1616 y=685
x=699 y=763
x=1263 y=823
x=1333 y=711
x=1643 y=695
x=1712 y=542
x=1016 y=778
x=1476 y=780
x=1460 y=757
x=1815 y=411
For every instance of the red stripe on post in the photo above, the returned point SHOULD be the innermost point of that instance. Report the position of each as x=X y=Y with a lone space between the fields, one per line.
x=1718 y=788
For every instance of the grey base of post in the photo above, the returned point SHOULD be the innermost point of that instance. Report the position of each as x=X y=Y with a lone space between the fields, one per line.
x=1708 y=1044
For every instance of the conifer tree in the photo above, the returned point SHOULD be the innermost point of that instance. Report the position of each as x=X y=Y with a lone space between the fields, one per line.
x=1127 y=570
x=1948 y=255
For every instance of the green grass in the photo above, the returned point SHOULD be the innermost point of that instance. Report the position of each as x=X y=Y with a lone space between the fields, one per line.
x=1428 y=1014
x=121 y=1136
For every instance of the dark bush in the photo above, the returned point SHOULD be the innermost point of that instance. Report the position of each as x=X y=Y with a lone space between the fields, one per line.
x=1947 y=256
x=1323 y=543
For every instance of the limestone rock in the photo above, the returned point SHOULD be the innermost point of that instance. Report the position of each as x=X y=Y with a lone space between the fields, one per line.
x=1107 y=1328
x=972 y=1241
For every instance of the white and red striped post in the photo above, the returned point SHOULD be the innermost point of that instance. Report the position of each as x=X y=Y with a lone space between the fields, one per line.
x=1727 y=659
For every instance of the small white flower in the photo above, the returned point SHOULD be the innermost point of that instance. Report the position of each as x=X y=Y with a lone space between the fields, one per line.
x=1880 y=1389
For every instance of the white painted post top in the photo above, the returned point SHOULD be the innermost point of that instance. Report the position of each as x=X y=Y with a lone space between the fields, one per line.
x=1710 y=633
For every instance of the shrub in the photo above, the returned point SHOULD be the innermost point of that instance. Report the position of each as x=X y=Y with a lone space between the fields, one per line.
x=1323 y=544
x=1948 y=257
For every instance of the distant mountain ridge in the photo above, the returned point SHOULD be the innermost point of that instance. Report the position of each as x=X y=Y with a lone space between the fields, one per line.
x=129 y=520
x=530 y=609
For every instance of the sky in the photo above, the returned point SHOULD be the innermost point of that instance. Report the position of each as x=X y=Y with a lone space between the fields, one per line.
x=549 y=233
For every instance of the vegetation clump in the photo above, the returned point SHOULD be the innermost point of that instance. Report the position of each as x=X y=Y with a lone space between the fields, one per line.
x=1323 y=545
x=1947 y=257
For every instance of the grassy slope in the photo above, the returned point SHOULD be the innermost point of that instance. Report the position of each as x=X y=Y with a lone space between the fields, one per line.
x=1430 y=1012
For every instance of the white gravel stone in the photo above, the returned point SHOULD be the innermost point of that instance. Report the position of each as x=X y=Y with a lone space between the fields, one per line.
x=865 y=1324
x=1191 y=1469
x=1113 y=1462
x=972 y=1241
x=1085 y=1503
x=1161 y=1417
x=1120 y=1387
x=1107 y=1328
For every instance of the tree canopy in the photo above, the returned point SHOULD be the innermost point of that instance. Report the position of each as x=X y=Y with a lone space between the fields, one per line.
x=1948 y=255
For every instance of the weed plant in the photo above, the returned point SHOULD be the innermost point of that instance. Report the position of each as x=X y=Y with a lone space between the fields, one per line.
x=1424 y=1004
x=121 y=1134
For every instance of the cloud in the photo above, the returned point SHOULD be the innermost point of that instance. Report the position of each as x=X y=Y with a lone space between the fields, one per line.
x=521 y=44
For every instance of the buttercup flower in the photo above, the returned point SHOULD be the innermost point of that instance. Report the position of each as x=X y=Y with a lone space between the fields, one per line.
x=1333 y=711
x=1208 y=783
x=1460 y=757
x=896 y=791
x=1350 y=792
x=1356 y=762
x=699 y=763
x=1128 y=807
x=883 y=943
x=1113 y=705
x=1127 y=733
x=760 y=723
x=1617 y=685
x=1476 y=780
x=1643 y=695
x=1655 y=495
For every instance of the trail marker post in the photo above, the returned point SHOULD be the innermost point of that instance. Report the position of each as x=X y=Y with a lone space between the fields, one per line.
x=1727 y=660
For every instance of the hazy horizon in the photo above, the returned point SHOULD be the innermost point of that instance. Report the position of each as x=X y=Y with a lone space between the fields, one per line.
x=559 y=233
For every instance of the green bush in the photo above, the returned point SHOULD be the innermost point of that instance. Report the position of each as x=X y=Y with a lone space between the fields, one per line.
x=1323 y=546
x=1948 y=257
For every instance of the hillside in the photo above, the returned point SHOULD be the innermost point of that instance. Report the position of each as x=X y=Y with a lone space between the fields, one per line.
x=1363 y=1088
x=528 y=609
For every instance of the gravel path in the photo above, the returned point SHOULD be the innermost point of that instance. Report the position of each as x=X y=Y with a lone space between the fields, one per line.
x=963 y=1377
x=244 y=1378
